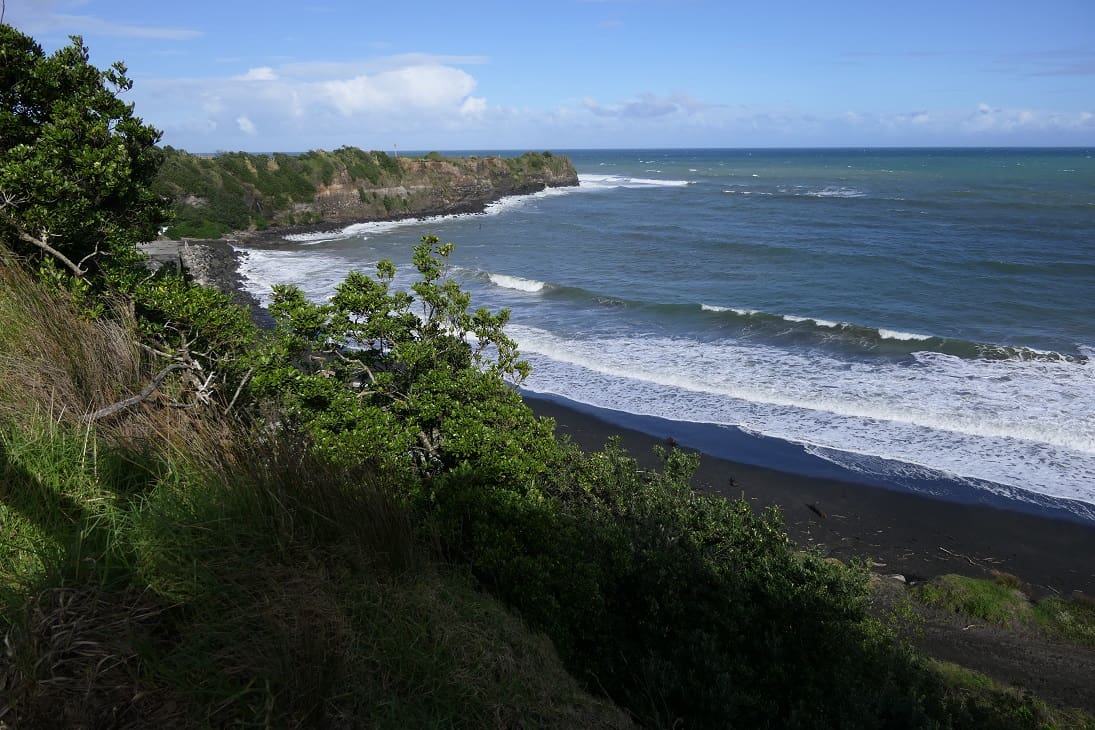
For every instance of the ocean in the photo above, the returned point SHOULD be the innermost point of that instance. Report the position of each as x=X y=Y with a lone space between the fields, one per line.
x=918 y=319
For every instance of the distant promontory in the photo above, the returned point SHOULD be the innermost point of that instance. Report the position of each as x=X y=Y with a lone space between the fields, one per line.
x=236 y=191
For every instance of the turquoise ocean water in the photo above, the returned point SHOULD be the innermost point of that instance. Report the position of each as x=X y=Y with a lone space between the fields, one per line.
x=920 y=319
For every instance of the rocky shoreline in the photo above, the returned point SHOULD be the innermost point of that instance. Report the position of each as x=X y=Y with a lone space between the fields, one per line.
x=214 y=263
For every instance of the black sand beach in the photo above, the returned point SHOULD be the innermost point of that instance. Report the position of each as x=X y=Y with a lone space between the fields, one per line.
x=900 y=533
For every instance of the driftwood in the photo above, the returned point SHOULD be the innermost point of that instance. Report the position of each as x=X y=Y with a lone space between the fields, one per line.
x=960 y=555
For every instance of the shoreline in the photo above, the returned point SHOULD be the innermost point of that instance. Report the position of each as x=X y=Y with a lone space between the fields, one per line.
x=738 y=446
x=898 y=532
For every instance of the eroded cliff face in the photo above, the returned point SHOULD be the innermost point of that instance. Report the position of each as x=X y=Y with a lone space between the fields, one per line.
x=433 y=187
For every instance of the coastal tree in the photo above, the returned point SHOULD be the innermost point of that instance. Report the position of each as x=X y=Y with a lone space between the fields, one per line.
x=409 y=380
x=76 y=165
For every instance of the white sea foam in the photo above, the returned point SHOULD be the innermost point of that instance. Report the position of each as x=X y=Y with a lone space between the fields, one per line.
x=317 y=237
x=715 y=308
x=819 y=322
x=1021 y=423
x=897 y=335
x=372 y=228
x=355 y=230
x=318 y=275
x=517 y=283
x=836 y=192
x=624 y=181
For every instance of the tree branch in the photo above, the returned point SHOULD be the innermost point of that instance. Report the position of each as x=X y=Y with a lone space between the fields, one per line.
x=239 y=390
x=24 y=236
x=140 y=397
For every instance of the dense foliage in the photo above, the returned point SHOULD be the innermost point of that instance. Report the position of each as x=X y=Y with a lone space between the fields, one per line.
x=408 y=382
x=76 y=165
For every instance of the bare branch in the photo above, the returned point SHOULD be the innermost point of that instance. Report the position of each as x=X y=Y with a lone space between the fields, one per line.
x=7 y=200
x=355 y=361
x=140 y=397
x=239 y=390
x=24 y=236
x=154 y=351
x=94 y=253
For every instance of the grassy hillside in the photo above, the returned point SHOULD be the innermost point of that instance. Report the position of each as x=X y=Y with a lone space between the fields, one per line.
x=170 y=569
x=231 y=191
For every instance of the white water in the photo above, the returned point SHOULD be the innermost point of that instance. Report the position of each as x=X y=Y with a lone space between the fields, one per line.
x=994 y=420
x=517 y=283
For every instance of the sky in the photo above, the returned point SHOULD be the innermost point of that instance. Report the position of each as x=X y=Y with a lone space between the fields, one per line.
x=527 y=74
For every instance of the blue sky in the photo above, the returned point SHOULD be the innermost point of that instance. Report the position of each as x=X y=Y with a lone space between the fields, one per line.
x=516 y=74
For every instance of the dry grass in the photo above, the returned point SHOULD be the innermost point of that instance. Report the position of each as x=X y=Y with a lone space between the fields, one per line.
x=51 y=359
x=72 y=661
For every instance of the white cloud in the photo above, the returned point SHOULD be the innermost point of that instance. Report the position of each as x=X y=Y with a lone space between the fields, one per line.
x=325 y=70
x=993 y=119
x=473 y=106
x=295 y=103
x=415 y=87
x=420 y=102
x=262 y=73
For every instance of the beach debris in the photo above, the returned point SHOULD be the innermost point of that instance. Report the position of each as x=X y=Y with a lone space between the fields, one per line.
x=967 y=558
x=817 y=511
x=898 y=577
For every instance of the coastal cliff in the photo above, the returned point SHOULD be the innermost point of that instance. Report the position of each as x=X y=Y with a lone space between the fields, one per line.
x=214 y=195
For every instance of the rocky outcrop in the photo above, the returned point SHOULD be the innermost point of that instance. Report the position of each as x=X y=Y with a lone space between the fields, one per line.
x=238 y=191
x=434 y=187
x=210 y=263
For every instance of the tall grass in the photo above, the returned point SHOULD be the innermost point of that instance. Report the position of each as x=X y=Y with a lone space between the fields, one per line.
x=172 y=568
x=54 y=360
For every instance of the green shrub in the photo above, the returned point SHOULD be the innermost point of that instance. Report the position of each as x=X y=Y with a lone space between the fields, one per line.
x=368 y=379
x=682 y=608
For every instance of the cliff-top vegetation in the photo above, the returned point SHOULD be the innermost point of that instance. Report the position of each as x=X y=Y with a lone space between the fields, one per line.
x=213 y=195
x=353 y=520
